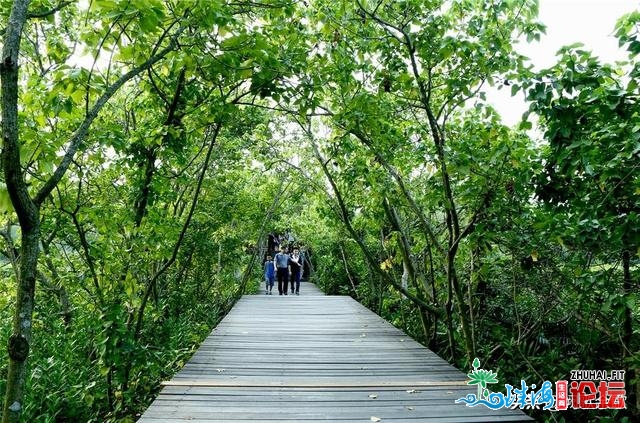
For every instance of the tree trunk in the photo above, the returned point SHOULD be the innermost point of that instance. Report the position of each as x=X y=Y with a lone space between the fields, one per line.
x=631 y=381
x=20 y=339
x=28 y=216
x=27 y=208
x=408 y=266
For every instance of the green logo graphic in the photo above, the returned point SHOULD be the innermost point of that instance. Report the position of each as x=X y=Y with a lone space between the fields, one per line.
x=481 y=378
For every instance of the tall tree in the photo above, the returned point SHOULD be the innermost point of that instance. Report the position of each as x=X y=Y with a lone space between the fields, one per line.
x=27 y=198
x=224 y=60
x=393 y=77
x=591 y=119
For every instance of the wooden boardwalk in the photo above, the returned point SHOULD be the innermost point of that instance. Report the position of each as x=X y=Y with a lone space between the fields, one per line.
x=310 y=358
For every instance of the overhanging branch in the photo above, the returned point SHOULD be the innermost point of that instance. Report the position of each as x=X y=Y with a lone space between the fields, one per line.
x=80 y=134
x=49 y=12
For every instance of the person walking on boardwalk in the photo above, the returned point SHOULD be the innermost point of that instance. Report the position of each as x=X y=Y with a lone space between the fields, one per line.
x=303 y=266
x=281 y=262
x=269 y=274
x=296 y=267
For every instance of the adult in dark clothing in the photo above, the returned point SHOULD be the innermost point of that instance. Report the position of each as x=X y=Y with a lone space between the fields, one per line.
x=295 y=264
x=272 y=244
x=281 y=261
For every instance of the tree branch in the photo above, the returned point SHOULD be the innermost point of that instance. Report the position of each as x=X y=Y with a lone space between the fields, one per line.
x=79 y=136
x=373 y=264
x=214 y=136
x=412 y=203
x=45 y=13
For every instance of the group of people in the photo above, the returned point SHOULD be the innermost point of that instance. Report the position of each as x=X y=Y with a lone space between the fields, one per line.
x=287 y=267
x=277 y=240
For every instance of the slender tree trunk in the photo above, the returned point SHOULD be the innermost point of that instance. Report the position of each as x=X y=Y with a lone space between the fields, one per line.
x=151 y=154
x=633 y=391
x=28 y=216
x=142 y=201
x=346 y=269
x=449 y=322
x=213 y=137
x=463 y=311
x=57 y=286
x=343 y=214
x=432 y=280
x=452 y=220
x=470 y=291
x=20 y=339
x=27 y=208
x=408 y=266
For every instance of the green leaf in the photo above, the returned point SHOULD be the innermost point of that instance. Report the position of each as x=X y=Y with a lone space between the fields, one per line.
x=234 y=42
x=525 y=125
x=5 y=200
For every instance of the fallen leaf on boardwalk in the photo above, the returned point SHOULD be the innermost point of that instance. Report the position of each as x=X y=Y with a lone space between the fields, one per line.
x=411 y=391
x=375 y=419
x=374 y=396
x=410 y=408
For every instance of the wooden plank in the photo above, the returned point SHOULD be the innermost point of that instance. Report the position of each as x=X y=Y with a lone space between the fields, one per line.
x=314 y=358
x=469 y=419
x=288 y=384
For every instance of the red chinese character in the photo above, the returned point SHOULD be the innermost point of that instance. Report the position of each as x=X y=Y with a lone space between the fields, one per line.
x=561 y=395
x=583 y=395
x=612 y=395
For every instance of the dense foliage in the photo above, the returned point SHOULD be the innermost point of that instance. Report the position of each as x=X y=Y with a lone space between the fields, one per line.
x=149 y=146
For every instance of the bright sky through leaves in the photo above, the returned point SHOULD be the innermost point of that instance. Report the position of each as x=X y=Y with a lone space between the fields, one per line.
x=590 y=22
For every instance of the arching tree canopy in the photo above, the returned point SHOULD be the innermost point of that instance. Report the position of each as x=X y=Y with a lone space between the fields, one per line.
x=149 y=146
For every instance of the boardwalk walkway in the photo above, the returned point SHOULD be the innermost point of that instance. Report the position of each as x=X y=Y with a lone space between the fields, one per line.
x=314 y=358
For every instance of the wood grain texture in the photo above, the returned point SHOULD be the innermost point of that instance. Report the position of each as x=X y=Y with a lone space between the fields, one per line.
x=314 y=358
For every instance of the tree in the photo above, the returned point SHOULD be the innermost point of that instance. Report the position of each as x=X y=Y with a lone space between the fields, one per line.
x=393 y=77
x=590 y=115
x=194 y=64
x=28 y=199
x=149 y=169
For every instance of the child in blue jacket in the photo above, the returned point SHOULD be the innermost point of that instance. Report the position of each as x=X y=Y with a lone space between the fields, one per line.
x=269 y=274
